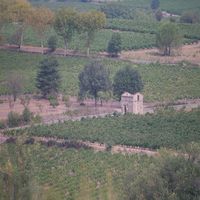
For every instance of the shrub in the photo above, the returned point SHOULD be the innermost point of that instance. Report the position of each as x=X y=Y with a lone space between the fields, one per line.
x=2 y=125
x=14 y=119
x=53 y=101
x=114 y=45
x=26 y=115
x=52 y=43
x=190 y=17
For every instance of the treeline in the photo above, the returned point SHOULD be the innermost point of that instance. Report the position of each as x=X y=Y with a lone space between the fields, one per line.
x=65 y=21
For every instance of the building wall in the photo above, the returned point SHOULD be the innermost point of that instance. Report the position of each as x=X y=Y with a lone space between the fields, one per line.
x=132 y=103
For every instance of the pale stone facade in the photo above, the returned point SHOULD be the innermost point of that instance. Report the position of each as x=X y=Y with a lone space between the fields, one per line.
x=132 y=103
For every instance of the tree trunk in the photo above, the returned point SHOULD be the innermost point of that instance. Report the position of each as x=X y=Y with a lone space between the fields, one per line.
x=88 y=47
x=21 y=39
x=65 y=43
x=42 y=46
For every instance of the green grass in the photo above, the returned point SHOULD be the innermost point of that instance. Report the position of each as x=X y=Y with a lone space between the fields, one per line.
x=168 y=128
x=161 y=82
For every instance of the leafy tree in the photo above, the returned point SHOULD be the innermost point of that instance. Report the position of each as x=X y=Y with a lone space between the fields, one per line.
x=127 y=80
x=52 y=43
x=93 y=79
x=168 y=37
x=155 y=4
x=114 y=45
x=89 y=23
x=158 y=15
x=41 y=19
x=20 y=13
x=4 y=14
x=15 y=85
x=66 y=24
x=48 y=78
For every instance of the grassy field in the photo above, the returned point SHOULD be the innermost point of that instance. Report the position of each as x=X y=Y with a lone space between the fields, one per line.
x=161 y=82
x=168 y=128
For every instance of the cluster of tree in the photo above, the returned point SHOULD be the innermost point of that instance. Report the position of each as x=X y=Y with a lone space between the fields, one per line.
x=169 y=177
x=66 y=21
x=94 y=79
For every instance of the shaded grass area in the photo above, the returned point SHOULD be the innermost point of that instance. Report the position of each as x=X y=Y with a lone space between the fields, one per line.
x=161 y=82
x=167 y=128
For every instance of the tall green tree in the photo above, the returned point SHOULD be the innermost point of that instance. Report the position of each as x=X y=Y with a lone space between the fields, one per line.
x=114 y=45
x=48 y=78
x=66 y=24
x=155 y=4
x=42 y=18
x=93 y=79
x=20 y=13
x=168 y=38
x=127 y=80
x=89 y=23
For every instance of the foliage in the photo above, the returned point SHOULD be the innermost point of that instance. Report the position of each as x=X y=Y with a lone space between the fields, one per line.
x=113 y=10
x=52 y=43
x=93 y=79
x=40 y=20
x=16 y=180
x=26 y=115
x=19 y=13
x=53 y=101
x=114 y=45
x=190 y=17
x=14 y=119
x=169 y=129
x=169 y=177
x=15 y=84
x=161 y=82
x=155 y=4
x=66 y=24
x=127 y=80
x=90 y=23
x=168 y=37
x=48 y=78
x=158 y=15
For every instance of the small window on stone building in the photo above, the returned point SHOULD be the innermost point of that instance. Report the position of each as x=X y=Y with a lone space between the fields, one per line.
x=138 y=97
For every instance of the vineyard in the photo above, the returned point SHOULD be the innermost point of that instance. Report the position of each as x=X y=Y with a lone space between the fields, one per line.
x=169 y=129
x=60 y=174
x=161 y=82
x=172 y=6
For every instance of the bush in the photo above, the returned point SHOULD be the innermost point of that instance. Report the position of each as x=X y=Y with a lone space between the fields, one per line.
x=52 y=43
x=2 y=125
x=26 y=115
x=114 y=45
x=190 y=17
x=53 y=101
x=14 y=119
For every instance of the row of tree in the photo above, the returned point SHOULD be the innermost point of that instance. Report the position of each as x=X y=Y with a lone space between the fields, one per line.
x=65 y=21
x=93 y=80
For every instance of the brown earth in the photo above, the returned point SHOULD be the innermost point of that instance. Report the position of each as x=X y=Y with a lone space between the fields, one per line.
x=188 y=53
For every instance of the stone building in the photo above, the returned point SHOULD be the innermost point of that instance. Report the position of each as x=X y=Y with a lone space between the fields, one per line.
x=132 y=103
